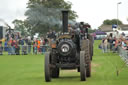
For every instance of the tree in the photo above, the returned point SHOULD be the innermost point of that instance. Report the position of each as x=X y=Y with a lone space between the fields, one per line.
x=91 y=30
x=43 y=15
x=20 y=26
x=111 y=22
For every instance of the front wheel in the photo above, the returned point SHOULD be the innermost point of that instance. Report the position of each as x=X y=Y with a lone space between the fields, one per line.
x=47 y=67
x=55 y=72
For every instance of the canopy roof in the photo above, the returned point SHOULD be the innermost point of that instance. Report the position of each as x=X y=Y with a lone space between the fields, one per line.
x=98 y=32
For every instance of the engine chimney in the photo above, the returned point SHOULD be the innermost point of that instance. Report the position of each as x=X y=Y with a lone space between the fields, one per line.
x=65 y=20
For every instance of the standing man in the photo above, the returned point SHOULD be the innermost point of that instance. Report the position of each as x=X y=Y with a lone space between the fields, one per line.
x=104 y=45
x=29 y=46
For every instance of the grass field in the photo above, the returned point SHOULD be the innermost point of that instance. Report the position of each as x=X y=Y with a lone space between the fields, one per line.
x=29 y=70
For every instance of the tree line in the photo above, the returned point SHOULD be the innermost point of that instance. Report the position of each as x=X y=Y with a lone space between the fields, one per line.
x=43 y=15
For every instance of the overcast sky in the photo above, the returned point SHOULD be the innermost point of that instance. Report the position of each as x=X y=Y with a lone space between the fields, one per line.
x=95 y=11
x=12 y=9
x=90 y=11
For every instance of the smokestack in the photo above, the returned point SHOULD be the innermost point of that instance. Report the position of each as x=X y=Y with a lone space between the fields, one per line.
x=65 y=20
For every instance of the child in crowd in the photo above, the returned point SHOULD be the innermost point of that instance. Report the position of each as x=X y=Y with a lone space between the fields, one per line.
x=17 y=47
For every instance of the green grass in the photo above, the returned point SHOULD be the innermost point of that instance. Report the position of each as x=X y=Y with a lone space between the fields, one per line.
x=29 y=70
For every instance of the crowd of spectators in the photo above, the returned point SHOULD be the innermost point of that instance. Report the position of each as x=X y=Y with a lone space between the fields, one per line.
x=111 y=43
x=15 y=44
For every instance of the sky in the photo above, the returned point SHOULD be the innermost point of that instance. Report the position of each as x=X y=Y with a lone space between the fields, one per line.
x=12 y=9
x=93 y=12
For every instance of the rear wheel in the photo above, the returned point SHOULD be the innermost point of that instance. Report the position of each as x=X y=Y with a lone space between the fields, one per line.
x=88 y=58
x=47 y=67
x=91 y=45
x=88 y=69
x=82 y=66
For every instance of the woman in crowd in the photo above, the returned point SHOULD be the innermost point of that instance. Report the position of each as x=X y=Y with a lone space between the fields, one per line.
x=35 y=48
x=104 y=45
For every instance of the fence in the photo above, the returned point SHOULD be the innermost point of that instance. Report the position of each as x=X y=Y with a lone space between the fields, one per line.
x=23 y=49
x=123 y=54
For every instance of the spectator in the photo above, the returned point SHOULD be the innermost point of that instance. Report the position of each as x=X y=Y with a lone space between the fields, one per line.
x=123 y=34
x=43 y=48
x=1 y=48
x=21 y=42
x=24 y=49
x=116 y=46
x=13 y=47
x=9 y=48
x=26 y=40
x=6 y=46
x=29 y=46
x=35 y=48
x=104 y=45
x=17 y=47
x=111 y=43
x=38 y=45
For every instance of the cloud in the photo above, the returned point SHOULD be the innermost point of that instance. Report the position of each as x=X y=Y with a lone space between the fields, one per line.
x=95 y=11
x=12 y=9
x=90 y=11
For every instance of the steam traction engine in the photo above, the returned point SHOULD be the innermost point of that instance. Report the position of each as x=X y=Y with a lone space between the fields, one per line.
x=69 y=51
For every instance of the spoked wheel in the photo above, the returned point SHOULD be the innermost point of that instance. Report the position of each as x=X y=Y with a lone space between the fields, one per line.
x=91 y=55
x=47 y=67
x=82 y=66
x=55 y=69
x=88 y=59
x=91 y=46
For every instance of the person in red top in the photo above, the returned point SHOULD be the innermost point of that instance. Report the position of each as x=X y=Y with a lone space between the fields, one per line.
x=13 y=47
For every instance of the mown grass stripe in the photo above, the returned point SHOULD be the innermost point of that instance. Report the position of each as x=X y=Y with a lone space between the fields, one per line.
x=29 y=70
